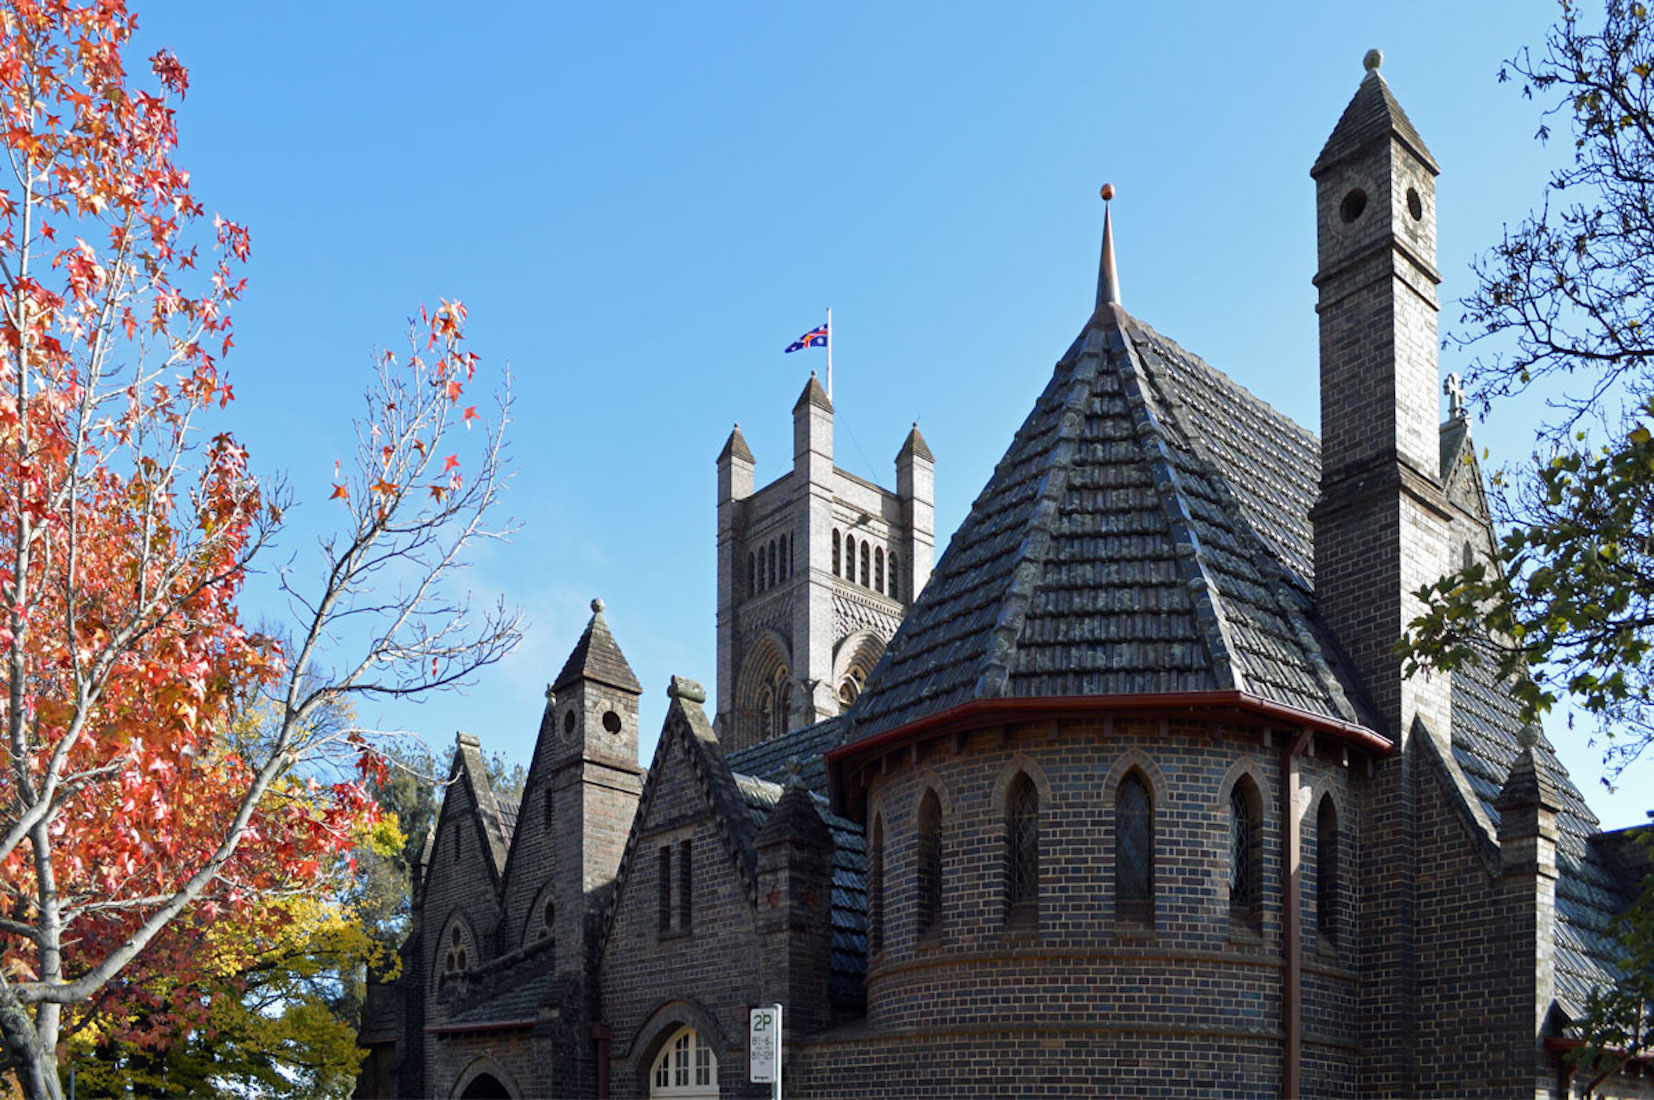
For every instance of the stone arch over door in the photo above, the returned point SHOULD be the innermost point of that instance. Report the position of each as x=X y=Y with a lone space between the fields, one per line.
x=665 y=1022
x=485 y=1079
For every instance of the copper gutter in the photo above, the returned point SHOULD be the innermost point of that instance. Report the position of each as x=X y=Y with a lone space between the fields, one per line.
x=982 y=712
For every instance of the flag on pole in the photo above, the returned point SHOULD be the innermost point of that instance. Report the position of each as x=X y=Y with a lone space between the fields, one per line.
x=815 y=338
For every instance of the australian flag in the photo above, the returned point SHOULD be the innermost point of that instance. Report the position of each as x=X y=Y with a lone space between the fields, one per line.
x=815 y=338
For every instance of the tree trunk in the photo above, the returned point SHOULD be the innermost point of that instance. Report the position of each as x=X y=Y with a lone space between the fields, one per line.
x=34 y=1063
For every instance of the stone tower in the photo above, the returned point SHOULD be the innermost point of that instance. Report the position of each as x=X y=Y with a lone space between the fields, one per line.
x=815 y=571
x=1381 y=525
x=589 y=742
x=1382 y=522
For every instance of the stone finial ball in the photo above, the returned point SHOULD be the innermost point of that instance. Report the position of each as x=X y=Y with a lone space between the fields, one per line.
x=1107 y=192
x=1374 y=58
x=597 y=606
x=1528 y=736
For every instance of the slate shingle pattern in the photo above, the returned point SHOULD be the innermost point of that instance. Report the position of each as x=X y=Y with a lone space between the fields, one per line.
x=849 y=882
x=1372 y=113
x=1485 y=721
x=1132 y=540
x=769 y=759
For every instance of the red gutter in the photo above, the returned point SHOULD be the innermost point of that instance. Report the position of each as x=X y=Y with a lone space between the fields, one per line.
x=981 y=712
x=495 y=1025
x=1560 y=1044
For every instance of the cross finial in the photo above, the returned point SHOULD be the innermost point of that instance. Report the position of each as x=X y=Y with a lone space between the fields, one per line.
x=1453 y=387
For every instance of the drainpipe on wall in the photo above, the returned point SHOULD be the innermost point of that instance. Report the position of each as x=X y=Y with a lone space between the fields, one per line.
x=601 y=1034
x=1292 y=1021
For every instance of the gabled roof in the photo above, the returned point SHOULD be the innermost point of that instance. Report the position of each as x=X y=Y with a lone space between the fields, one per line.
x=597 y=657
x=1373 y=114
x=1147 y=532
x=736 y=447
x=489 y=814
x=741 y=805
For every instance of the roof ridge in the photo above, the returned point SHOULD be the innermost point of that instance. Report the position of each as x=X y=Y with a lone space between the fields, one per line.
x=1203 y=589
x=1029 y=563
x=1258 y=551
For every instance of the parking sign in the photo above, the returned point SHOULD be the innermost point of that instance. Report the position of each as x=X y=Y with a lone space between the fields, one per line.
x=764 y=1045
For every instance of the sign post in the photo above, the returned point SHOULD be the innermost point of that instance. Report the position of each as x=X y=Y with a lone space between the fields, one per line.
x=764 y=1047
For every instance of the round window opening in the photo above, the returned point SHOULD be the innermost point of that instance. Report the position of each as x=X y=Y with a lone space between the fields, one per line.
x=611 y=721
x=1415 y=205
x=568 y=722
x=1352 y=206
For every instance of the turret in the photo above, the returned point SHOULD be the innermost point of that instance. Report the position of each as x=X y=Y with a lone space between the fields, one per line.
x=916 y=488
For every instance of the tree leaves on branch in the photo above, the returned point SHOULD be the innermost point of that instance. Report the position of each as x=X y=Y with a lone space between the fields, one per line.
x=133 y=818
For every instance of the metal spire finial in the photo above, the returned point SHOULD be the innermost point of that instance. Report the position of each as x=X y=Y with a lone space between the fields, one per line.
x=1108 y=279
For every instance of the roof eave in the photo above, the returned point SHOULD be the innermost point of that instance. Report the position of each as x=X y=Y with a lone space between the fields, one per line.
x=979 y=712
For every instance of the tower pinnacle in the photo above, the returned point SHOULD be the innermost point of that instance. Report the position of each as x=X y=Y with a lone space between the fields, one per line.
x=1108 y=279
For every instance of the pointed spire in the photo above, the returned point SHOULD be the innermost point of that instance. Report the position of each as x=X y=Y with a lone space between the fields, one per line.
x=597 y=657
x=1108 y=279
x=813 y=395
x=1529 y=783
x=914 y=446
x=736 y=447
x=1372 y=115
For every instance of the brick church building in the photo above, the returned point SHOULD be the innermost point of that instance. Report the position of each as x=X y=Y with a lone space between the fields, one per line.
x=1128 y=797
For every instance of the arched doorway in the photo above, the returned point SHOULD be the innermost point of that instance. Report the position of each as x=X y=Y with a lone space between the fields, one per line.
x=685 y=1067
x=485 y=1087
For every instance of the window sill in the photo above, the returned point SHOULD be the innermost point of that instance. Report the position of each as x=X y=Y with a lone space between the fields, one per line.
x=675 y=934
x=1244 y=932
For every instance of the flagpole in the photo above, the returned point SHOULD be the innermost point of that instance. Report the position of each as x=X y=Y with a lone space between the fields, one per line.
x=829 y=353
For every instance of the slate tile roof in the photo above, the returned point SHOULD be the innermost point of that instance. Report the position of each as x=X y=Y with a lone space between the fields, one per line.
x=849 y=882
x=597 y=657
x=1148 y=531
x=768 y=759
x=1373 y=114
x=1485 y=721
x=1137 y=537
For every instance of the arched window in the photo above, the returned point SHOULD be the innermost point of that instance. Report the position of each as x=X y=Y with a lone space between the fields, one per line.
x=835 y=552
x=875 y=888
x=780 y=697
x=773 y=577
x=1133 y=851
x=1022 y=848
x=548 y=919
x=878 y=569
x=849 y=559
x=928 y=866
x=890 y=585
x=849 y=688
x=864 y=564
x=1326 y=869
x=752 y=573
x=456 y=957
x=686 y=1067
x=789 y=555
x=1245 y=853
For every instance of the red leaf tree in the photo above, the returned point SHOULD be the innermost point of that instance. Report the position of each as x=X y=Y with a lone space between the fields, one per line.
x=129 y=814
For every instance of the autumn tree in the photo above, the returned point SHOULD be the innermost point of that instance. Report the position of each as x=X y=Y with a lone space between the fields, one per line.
x=1564 y=305
x=129 y=820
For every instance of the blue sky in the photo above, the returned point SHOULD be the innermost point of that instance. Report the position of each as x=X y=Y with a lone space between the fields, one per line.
x=641 y=204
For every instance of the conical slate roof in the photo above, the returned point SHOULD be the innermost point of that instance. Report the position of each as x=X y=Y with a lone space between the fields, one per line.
x=1147 y=532
x=597 y=657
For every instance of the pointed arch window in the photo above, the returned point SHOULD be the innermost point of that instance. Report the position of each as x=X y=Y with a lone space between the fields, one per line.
x=849 y=559
x=875 y=888
x=1326 y=869
x=1133 y=851
x=878 y=569
x=865 y=562
x=752 y=573
x=776 y=701
x=835 y=552
x=890 y=588
x=772 y=563
x=685 y=1067
x=1245 y=853
x=1022 y=850
x=928 y=865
